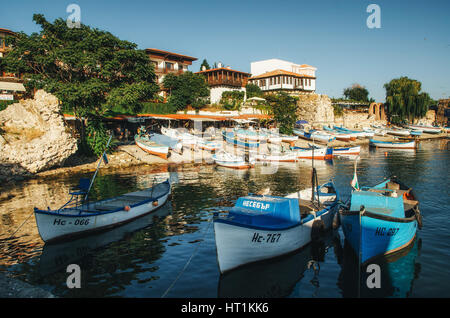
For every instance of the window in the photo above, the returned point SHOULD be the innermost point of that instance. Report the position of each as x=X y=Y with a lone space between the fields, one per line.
x=180 y=66
x=1 y=42
x=169 y=66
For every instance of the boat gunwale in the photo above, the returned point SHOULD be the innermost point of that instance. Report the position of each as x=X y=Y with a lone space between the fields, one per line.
x=90 y=214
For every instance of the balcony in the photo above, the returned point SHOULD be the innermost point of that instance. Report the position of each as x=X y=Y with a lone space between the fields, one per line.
x=228 y=82
x=163 y=70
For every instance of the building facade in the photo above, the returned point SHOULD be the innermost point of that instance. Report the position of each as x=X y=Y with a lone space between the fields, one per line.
x=166 y=62
x=276 y=75
x=223 y=79
x=11 y=86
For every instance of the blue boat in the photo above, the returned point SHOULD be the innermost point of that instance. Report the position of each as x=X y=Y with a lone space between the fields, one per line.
x=232 y=138
x=314 y=135
x=381 y=220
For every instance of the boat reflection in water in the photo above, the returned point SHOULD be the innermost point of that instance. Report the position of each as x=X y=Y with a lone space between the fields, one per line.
x=276 y=277
x=56 y=256
x=398 y=272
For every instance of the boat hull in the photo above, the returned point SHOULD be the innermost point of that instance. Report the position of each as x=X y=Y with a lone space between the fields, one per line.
x=351 y=151
x=373 y=237
x=54 y=226
x=239 y=245
x=393 y=145
x=160 y=151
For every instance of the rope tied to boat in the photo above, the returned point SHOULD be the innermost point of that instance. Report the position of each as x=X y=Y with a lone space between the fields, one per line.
x=188 y=261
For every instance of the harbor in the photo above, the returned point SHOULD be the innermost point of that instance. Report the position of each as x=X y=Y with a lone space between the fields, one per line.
x=166 y=253
x=186 y=156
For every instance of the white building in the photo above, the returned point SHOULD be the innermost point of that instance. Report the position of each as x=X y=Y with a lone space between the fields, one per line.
x=279 y=75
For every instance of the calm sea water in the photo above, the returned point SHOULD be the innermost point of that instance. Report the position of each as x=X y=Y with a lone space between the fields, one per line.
x=172 y=253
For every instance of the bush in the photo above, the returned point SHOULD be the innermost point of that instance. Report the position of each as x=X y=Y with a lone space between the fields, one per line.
x=5 y=103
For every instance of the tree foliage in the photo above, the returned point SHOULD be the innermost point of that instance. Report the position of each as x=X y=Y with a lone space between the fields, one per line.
x=283 y=108
x=232 y=100
x=88 y=69
x=205 y=64
x=253 y=91
x=187 y=89
x=357 y=93
x=405 y=101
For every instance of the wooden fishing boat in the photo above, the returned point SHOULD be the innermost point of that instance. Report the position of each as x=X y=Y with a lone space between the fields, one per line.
x=398 y=132
x=314 y=135
x=349 y=151
x=208 y=145
x=355 y=133
x=251 y=135
x=318 y=153
x=79 y=216
x=225 y=159
x=260 y=227
x=151 y=147
x=381 y=220
x=233 y=139
x=277 y=156
x=426 y=128
x=392 y=144
x=340 y=135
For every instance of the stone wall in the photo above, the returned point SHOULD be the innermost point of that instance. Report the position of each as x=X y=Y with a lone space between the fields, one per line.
x=34 y=136
x=353 y=119
x=315 y=108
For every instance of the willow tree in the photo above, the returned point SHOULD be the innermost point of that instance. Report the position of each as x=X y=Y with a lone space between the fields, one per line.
x=89 y=70
x=405 y=101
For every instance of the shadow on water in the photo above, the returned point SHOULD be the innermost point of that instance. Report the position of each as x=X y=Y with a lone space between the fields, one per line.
x=276 y=277
x=397 y=273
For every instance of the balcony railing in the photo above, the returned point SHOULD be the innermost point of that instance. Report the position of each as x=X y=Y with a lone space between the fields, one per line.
x=229 y=82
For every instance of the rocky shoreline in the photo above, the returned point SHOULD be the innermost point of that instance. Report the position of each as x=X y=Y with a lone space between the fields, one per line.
x=14 y=288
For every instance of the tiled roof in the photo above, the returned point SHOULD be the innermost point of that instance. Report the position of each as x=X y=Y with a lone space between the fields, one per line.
x=280 y=72
x=222 y=68
x=156 y=51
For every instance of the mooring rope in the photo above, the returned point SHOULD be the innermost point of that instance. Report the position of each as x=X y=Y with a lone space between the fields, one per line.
x=21 y=225
x=188 y=261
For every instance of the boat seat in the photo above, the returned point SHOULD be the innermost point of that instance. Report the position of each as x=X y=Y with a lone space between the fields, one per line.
x=409 y=204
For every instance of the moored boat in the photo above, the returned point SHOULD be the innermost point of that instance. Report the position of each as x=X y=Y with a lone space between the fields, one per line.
x=349 y=151
x=232 y=138
x=225 y=159
x=381 y=220
x=79 y=216
x=260 y=227
x=316 y=153
x=392 y=144
x=314 y=135
x=426 y=128
x=151 y=147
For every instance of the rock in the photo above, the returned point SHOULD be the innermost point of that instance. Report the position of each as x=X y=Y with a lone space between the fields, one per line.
x=315 y=108
x=34 y=135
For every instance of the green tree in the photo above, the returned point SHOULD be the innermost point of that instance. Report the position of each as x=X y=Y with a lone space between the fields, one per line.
x=187 y=89
x=89 y=70
x=357 y=93
x=405 y=101
x=283 y=108
x=253 y=91
x=205 y=64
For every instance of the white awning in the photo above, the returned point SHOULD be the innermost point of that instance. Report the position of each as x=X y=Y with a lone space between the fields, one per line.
x=10 y=86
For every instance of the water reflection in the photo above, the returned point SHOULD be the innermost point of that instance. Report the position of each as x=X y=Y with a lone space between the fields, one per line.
x=277 y=277
x=398 y=272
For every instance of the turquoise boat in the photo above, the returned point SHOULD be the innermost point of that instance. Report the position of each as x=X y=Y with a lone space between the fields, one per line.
x=381 y=220
x=232 y=138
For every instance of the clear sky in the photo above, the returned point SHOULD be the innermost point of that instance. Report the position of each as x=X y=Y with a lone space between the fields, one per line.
x=413 y=41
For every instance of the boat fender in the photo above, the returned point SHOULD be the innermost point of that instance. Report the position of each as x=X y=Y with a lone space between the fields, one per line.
x=155 y=203
x=336 y=221
x=418 y=218
x=127 y=208
x=317 y=229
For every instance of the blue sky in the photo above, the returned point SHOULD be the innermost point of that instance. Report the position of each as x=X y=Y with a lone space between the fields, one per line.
x=413 y=41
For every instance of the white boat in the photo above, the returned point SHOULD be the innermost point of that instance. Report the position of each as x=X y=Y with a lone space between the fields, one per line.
x=393 y=145
x=277 y=156
x=181 y=134
x=345 y=151
x=327 y=194
x=426 y=129
x=208 y=145
x=78 y=217
x=151 y=147
x=225 y=159
x=322 y=153
x=315 y=135
x=398 y=132
x=376 y=131
x=260 y=227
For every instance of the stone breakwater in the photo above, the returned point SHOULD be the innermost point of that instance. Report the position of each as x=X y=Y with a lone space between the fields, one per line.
x=34 y=137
